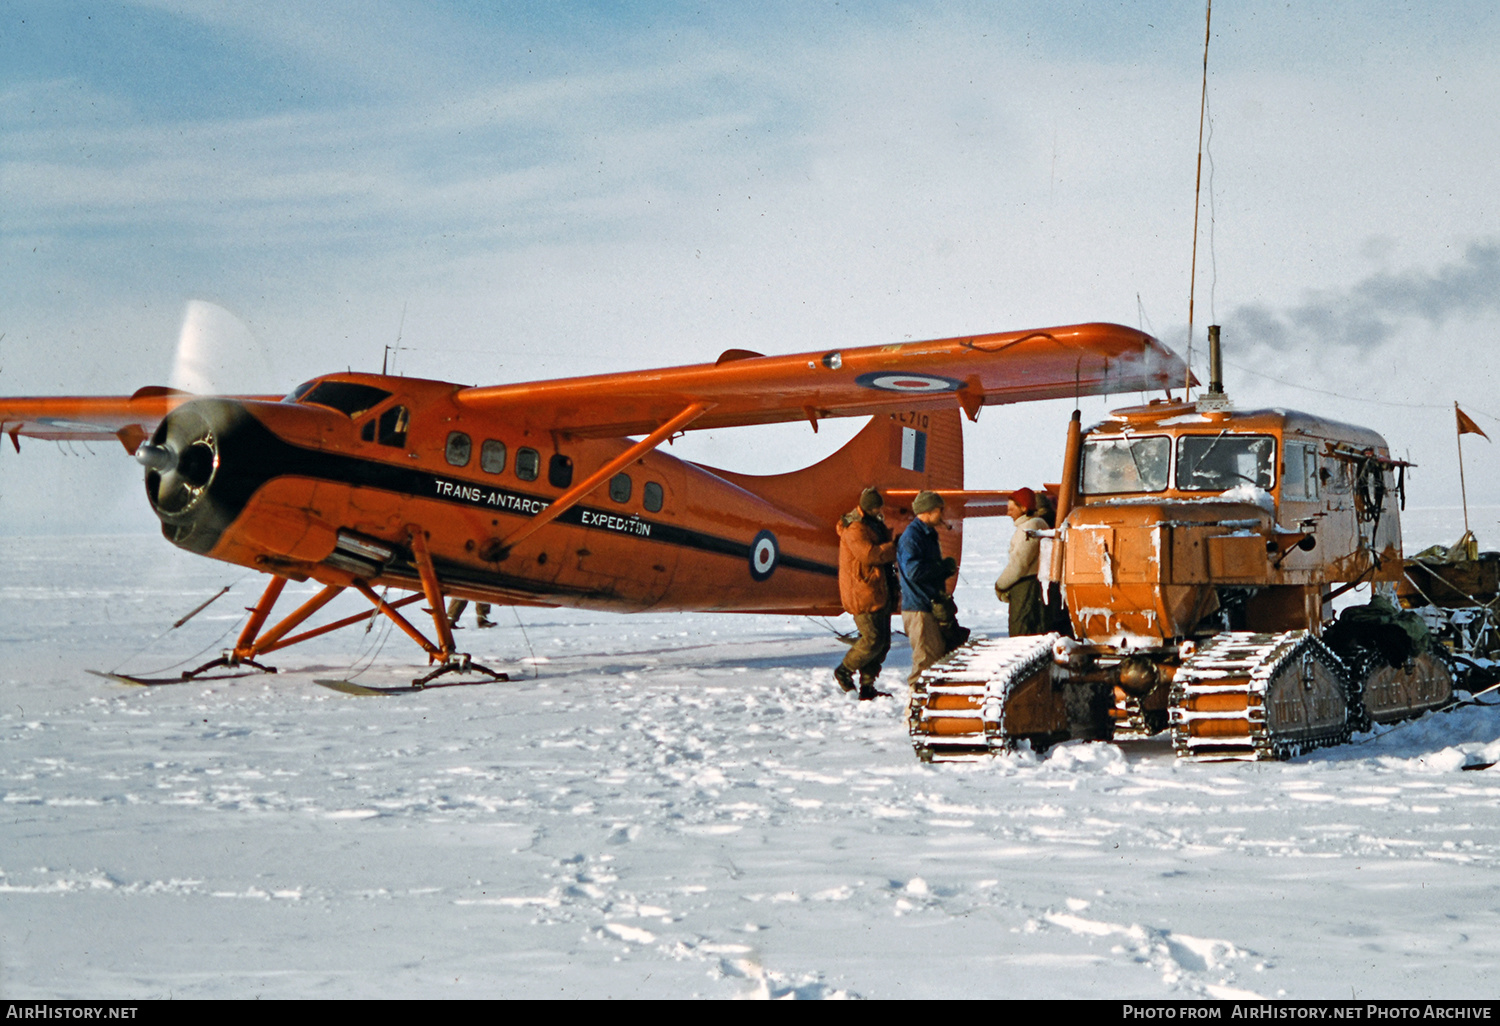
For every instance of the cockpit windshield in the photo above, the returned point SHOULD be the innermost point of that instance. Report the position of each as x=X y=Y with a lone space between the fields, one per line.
x=1112 y=466
x=344 y=396
x=1217 y=463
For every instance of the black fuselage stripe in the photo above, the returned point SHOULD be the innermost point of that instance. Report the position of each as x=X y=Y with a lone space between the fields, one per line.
x=259 y=456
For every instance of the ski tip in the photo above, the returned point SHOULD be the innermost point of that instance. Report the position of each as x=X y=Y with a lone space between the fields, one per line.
x=119 y=678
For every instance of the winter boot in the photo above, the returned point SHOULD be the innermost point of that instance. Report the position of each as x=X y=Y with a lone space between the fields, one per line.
x=844 y=676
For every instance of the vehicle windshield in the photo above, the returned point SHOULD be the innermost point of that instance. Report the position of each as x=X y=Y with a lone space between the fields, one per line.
x=1115 y=465
x=1217 y=463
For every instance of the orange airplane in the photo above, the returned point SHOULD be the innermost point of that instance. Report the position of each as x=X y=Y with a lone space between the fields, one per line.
x=555 y=493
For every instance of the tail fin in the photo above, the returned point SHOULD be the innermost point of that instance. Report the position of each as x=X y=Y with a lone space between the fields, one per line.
x=911 y=450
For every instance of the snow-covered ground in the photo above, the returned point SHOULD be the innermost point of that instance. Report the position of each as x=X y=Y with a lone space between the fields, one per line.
x=673 y=805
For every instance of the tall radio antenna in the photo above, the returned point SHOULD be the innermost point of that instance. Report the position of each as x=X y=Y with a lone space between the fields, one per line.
x=391 y=351
x=1197 y=190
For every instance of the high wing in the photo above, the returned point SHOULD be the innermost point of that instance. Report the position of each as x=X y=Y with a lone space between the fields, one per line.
x=741 y=388
x=748 y=388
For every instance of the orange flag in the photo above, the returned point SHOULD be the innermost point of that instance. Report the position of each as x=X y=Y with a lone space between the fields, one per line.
x=1466 y=425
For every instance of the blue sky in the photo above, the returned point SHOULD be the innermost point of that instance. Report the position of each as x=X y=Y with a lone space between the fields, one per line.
x=550 y=188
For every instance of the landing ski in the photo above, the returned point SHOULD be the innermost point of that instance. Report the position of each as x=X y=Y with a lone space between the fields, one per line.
x=350 y=687
x=156 y=682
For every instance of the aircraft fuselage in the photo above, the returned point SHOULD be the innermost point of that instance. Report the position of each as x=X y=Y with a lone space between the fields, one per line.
x=330 y=483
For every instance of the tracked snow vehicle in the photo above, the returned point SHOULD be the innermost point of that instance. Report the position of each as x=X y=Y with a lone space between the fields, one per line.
x=1198 y=551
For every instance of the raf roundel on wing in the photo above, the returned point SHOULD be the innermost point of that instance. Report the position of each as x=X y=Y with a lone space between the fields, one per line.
x=905 y=381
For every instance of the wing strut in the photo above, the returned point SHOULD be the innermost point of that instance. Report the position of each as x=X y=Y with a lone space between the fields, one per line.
x=570 y=498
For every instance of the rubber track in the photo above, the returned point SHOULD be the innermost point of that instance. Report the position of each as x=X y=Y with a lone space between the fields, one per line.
x=979 y=677
x=1246 y=664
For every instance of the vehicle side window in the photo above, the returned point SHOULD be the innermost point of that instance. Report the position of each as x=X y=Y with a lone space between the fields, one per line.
x=560 y=471
x=492 y=456
x=651 y=497
x=368 y=431
x=393 y=425
x=1308 y=471
x=1335 y=475
x=1296 y=481
x=528 y=464
x=620 y=487
x=458 y=450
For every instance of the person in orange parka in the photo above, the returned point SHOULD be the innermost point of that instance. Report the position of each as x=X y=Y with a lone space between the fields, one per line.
x=867 y=558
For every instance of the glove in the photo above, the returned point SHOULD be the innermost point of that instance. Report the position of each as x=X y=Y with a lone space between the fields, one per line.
x=945 y=612
x=950 y=567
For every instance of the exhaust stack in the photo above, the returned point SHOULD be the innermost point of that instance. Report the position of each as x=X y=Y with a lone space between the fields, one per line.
x=1215 y=362
x=1214 y=399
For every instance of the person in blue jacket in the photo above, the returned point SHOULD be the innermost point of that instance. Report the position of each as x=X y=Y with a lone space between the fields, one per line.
x=924 y=583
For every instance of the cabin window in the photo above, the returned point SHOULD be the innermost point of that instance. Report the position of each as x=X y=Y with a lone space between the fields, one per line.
x=1217 y=463
x=458 y=450
x=344 y=396
x=652 y=496
x=392 y=427
x=620 y=487
x=1115 y=465
x=368 y=432
x=528 y=464
x=492 y=456
x=560 y=471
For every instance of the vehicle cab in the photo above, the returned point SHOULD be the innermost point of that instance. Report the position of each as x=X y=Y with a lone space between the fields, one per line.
x=1197 y=516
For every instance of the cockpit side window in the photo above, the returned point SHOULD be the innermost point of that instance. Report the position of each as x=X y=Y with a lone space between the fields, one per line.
x=393 y=425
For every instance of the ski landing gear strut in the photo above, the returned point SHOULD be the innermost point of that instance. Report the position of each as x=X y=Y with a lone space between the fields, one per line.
x=444 y=654
x=252 y=644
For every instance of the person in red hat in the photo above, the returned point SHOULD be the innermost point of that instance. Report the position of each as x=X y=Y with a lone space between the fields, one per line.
x=1017 y=584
